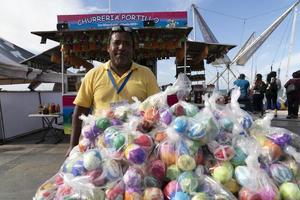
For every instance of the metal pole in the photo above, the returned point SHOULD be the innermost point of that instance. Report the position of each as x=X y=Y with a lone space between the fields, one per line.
x=62 y=70
x=291 y=43
x=194 y=24
x=109 y=6
x=218 y=87
x=185 y=57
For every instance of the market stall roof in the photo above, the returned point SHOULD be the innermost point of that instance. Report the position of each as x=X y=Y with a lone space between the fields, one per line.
x=43 y=60
x=151 y=42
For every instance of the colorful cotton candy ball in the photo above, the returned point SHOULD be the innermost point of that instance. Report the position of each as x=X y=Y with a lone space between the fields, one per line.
x=180 y=124
x=232 y=185
x=133 y=194
x=173 y=172
x=274 y=150
x=91 y=160
x=224 y=152
x=85 y=144
x=144 y=141
x=78 y=168
x=181 y=196
x=133 y=177
x=188 y=182
x=145 y=126
x=246 y=194
x=150 y=181
x=153 y=193
x=167 y=153
x=223 y=172
x=166 y=117
x=190 y=110
x=289 y=191
x=160 y=136
x=157 y=169
x=243 y=175
x=151 y=114
x=171 y=188
x=178 y=110
x=112 y=170
x=68 y=165
x=226 y=124
x=135 y=154
x=246 y=121
x=90 y=131
x=268 y=192
x=119 y=141
x=200 y=196
x=196 y=131
x=239 y=157
x=186 y=162
x=96 y=177
x=116 y=122
x=103 y=123
x=280 y=139
x=116 y=192
x=280 y=173
x=212 y=129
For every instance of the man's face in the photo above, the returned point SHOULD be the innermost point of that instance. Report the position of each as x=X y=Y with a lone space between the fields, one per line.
x=120 y=49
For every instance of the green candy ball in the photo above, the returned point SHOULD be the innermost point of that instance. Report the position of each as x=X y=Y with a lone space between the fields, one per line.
x=289 y=191
x=119 y=141
x=223 y=173
x=200 y=196
x=173 y=172
x=102 y=123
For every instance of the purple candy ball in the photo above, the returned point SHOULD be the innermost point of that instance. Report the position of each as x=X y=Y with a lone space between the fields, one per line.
x=78 y=168
x=116 y=122
x=281 y=139
x=267 y=193
x=133 y=178
x=166 y=117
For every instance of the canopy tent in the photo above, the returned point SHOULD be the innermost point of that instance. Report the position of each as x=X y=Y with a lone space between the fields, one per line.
x=15 y=73
x=11 y=72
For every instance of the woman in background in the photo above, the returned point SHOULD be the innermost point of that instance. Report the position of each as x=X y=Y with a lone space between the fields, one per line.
x=258 y=90
x=293 y=96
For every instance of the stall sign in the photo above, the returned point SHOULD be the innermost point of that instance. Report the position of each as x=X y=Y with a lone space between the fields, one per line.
x=135 y=20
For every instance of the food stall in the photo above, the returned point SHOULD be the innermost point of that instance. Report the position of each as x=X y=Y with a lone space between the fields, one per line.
x=158 y=35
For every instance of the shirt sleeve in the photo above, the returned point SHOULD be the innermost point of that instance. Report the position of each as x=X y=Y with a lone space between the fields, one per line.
x=84 y=96
x=152 y=86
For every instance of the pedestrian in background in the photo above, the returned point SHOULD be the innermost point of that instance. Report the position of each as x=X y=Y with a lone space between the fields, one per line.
x=244 y=88
x=258 y=93
x=293 y=95
x=273 y=86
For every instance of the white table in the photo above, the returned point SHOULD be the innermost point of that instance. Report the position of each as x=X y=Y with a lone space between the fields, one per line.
x=48 y=121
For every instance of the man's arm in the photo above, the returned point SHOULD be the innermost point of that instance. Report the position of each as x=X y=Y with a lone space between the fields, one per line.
x=76 y=126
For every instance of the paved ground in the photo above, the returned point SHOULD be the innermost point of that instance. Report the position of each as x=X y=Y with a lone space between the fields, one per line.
x=24 y=165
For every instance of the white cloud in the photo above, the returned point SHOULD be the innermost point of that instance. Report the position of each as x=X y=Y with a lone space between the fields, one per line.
x=19 y=18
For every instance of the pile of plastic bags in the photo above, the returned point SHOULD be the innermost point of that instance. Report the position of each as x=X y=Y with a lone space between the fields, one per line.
x=150 y=151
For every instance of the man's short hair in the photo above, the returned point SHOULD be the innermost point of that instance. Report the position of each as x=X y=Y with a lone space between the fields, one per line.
x=121 y=28
x=242 y=76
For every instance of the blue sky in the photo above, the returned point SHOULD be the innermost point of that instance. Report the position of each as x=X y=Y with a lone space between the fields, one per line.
x=232 y=22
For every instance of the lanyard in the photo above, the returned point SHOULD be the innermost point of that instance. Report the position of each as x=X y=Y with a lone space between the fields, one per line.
x=114 y=83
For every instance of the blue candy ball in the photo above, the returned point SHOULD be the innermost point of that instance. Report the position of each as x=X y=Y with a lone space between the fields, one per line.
x=181 y=196
x=180 y=124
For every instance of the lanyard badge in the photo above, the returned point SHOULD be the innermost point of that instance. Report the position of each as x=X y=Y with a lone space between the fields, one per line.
x=114 y=83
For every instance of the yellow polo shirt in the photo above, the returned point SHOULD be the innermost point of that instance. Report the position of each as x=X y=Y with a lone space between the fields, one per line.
x=98 y=92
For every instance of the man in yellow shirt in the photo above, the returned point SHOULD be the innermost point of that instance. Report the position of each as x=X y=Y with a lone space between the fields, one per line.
x=113 y=83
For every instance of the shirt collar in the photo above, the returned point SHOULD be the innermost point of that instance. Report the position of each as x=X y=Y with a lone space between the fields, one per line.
x=132 y=68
